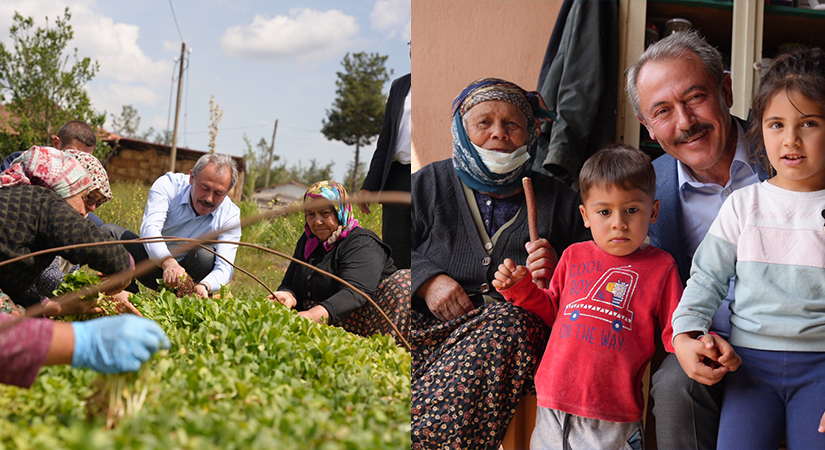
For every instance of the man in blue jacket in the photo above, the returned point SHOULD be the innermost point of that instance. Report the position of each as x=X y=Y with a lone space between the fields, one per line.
x=680 y=92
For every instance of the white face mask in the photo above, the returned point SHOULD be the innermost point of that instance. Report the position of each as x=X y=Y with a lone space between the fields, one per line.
x=501 y=163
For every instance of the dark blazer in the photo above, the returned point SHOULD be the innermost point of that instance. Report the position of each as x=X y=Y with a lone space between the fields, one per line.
x=36 y=218
x=668 y=232
x=385 y=148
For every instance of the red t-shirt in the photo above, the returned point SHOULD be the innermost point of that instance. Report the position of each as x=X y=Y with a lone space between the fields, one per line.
x=604 y=310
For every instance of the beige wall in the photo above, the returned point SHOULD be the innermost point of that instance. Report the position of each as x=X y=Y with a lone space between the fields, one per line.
x=458 y=41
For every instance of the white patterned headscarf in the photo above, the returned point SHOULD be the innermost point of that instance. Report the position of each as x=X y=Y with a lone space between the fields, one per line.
x=100 y=179
x=47 y=167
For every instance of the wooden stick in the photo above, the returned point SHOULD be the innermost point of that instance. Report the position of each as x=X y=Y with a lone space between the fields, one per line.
x=532 y=218
x=530 y=198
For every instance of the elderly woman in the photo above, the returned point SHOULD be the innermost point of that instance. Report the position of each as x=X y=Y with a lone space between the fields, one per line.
x=99 y=193
x=35 y=217
x=64 y=175
x=334 y=242
x=474 y=356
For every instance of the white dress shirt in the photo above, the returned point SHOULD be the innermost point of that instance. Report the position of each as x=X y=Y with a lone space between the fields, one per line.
x=169 y=213
x=403 y=146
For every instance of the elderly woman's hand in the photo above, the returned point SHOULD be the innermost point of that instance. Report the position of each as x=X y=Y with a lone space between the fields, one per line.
x=445 y=298
x=283 y=297
x=541 y=259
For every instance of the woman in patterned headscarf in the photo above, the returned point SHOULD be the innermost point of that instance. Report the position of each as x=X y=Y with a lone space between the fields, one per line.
x=51 y=168
x=473 y=355
x=100 y=192
x=333 y=241
x=77 y=177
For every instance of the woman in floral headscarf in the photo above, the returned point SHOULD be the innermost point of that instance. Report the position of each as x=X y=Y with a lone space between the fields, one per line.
x=474 y=356
x=99 y=193
x=334 y=242
x=25 y=231
x=67 y=173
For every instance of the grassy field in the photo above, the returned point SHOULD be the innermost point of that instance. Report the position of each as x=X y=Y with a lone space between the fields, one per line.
x=242 y=373
x=280 y=233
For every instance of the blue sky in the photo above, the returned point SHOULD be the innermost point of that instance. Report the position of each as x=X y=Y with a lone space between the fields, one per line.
x=262 y=60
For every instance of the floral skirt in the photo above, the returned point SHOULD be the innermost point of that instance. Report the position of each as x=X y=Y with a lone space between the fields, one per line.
x=469 y=375
x=393 y=296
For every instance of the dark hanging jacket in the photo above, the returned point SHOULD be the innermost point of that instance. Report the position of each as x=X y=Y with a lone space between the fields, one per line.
x=35 y=218
x=579 y=80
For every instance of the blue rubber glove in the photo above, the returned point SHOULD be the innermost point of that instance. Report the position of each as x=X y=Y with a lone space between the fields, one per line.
x=116 y=344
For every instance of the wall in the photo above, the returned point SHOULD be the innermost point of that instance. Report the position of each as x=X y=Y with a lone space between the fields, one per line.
x=148 y=165
x=458 y=41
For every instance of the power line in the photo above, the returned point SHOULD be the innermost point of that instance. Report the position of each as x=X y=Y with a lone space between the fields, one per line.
x=302 y=129
x=176 y=20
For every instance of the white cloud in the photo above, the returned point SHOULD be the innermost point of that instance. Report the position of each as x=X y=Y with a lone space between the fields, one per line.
x=392 y=17
x=126 y=76
x=112 y=96
x=171 y=46
x=305 y=35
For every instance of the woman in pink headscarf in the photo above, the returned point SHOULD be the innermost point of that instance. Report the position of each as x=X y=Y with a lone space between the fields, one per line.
x=79 y=181
x=99 y=193
x=35 y=217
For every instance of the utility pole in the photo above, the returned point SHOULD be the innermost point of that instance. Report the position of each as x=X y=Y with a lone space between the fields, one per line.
x=271 y=152
x=174 y=153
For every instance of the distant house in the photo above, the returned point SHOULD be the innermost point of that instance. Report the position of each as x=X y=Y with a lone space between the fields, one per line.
x=283 y=194
x=137 y=160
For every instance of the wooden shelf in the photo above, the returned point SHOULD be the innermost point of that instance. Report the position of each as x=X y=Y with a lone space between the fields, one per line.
x=726 y=5
x=785 y=25
x=713 y=19
x=775 y=10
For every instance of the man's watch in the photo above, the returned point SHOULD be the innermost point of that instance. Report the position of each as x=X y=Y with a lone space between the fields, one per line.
x=204 y=286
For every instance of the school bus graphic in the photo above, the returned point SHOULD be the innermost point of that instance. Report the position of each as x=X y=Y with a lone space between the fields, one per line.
x=608 y=299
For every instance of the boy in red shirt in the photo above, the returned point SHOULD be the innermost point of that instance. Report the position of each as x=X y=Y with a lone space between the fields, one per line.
x=604 y=303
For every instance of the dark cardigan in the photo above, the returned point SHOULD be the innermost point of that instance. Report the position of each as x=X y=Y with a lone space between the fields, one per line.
x=445 y=239
x=35 y=218
x=361 y=259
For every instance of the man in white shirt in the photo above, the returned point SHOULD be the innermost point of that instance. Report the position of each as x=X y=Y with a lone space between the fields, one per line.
x=189 y=206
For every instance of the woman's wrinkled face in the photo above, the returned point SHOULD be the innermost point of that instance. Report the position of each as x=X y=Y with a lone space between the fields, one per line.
x=321 y=218
x=496 y=125
x=76 y=202
x=92 y=199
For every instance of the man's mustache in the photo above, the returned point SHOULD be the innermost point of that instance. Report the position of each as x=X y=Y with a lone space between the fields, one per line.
x=206 y=203
x=693 y=131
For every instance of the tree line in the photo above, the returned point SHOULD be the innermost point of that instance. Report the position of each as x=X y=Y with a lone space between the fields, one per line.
x=42 y=86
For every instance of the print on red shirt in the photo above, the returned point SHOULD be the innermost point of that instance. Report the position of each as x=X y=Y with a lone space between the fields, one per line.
x=608 y=300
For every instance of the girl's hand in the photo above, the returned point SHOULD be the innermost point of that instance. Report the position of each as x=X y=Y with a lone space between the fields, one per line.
x=727 y=357
x=822 y=424
x=705 y=360
x=508 y=275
